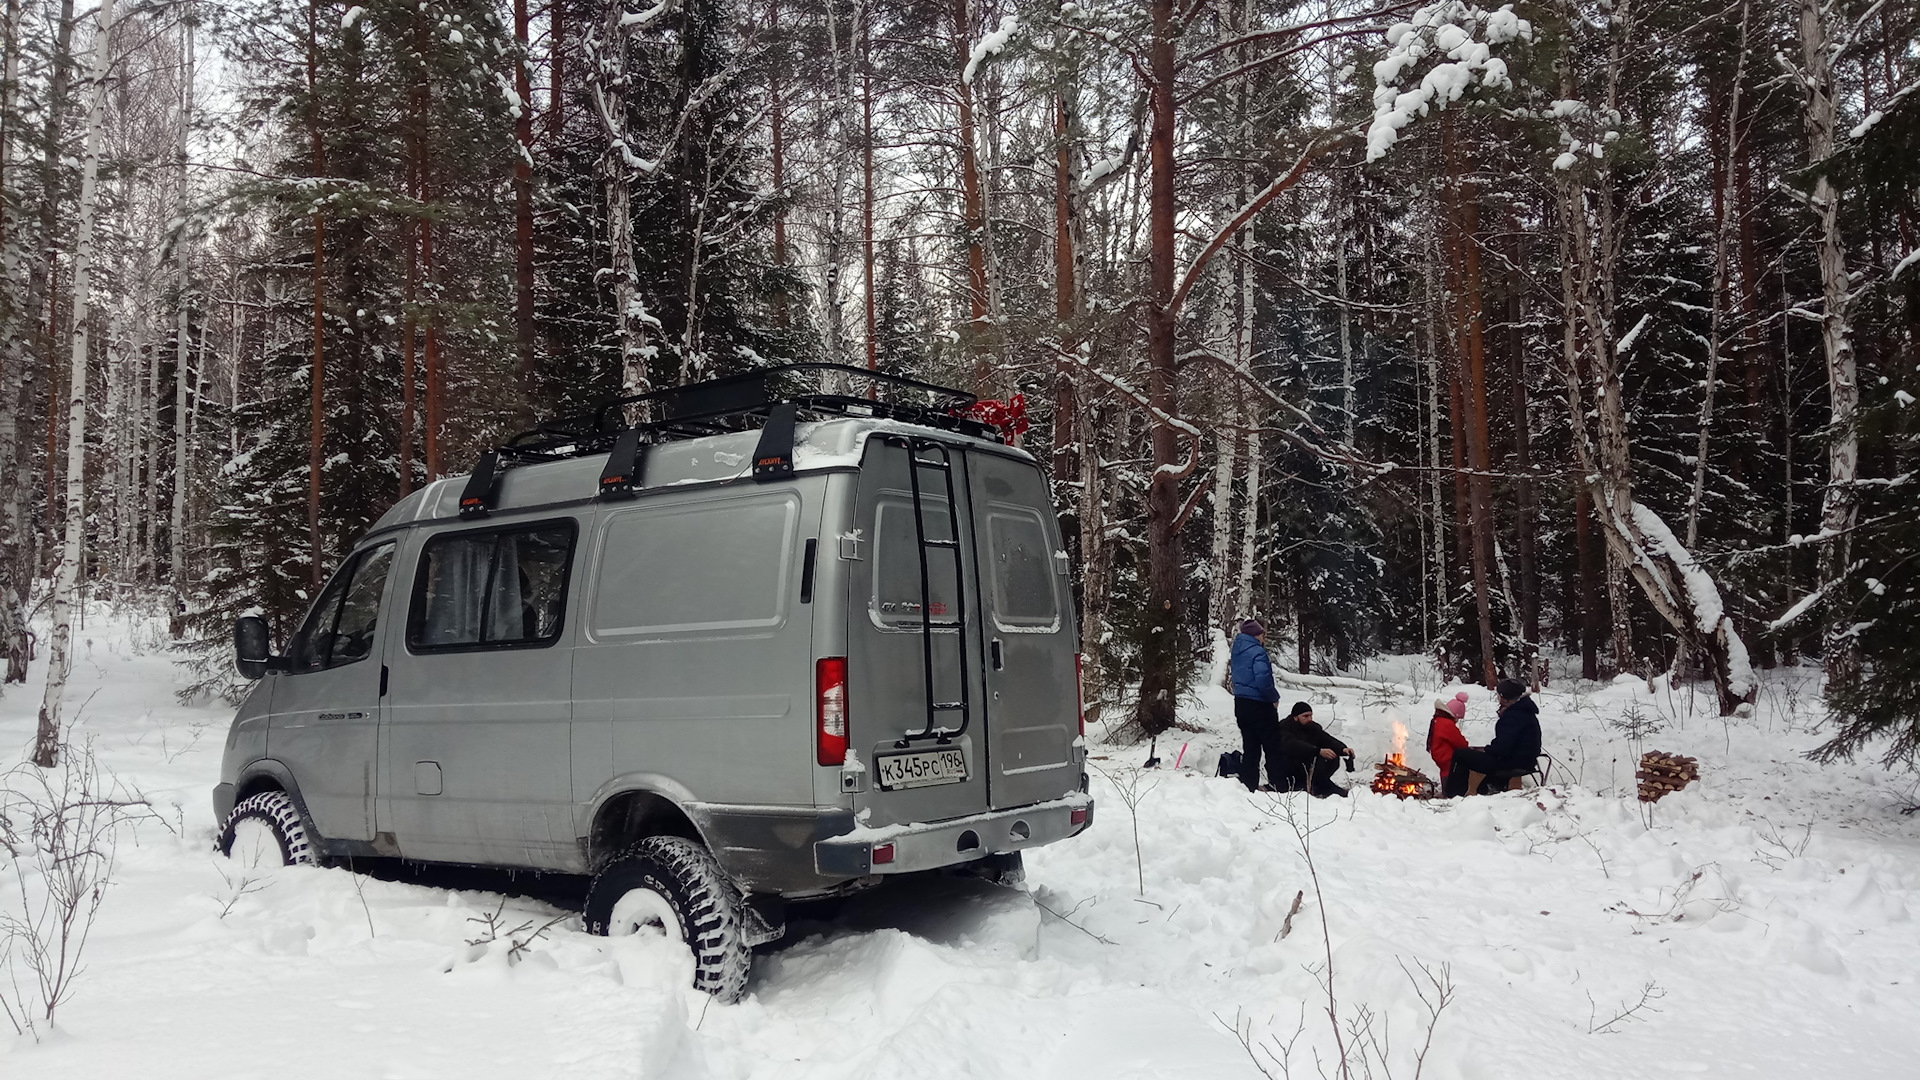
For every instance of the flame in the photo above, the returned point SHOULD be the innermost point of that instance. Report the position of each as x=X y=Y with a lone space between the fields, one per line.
x=1397 y=759
x=1399 y=741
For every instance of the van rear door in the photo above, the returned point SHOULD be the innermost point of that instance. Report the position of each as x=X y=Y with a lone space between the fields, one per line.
x=912 y=643
x=1027 y=617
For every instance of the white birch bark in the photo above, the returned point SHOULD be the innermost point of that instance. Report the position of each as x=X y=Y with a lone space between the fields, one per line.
x=606 y=56
x=46 y=746
x=176 y=522
x=1217 y=584
x=13 y=368
x=839 y=110
x=1841 y=503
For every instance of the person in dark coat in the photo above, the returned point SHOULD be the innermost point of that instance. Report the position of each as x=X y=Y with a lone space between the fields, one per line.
x=1310 y=754
x=1516 y=739
x=1256 y=701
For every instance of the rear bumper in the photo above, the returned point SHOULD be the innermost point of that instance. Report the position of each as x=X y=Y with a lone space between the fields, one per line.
x=934 y=844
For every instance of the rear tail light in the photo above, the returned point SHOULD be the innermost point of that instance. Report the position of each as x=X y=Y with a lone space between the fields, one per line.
x=830 y=677
x=1078 y=816
x=882 y=854
x=1080 y=689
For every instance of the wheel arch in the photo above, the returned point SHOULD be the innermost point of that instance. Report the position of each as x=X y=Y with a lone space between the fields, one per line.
x=634 y=811
x=266 y=774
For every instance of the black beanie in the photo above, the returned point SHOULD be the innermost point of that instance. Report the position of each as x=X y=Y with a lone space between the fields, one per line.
x=1511 y=690
x=1298 y=708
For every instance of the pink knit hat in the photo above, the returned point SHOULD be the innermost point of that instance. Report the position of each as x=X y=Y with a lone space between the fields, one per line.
x=1458 y=706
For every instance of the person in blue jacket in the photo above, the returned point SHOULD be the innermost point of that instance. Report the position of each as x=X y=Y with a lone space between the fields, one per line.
x=1256 y=705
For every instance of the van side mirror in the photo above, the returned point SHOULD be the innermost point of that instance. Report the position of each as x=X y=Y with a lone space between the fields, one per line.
x=252 y=653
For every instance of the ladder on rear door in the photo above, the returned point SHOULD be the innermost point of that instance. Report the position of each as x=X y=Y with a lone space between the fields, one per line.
x=929 y=548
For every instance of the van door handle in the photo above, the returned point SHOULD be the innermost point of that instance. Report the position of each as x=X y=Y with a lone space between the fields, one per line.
x=998 y=663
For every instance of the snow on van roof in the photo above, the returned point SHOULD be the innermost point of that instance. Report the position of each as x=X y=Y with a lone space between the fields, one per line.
x=818 y=445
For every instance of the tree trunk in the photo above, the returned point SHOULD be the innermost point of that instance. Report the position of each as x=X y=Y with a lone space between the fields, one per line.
x=409 y=320
x=840 y=100
x=44 y=283
x=776 y=106
x=866 y=186
x=1722 y=174
x=1160 y=652
x=1220 y=564
x=1469 y=328
x=523 y=208
x=316 y=435
x=607 y=65
x=177 y=522
x=1094 y=563
x=1442 y=594
x=1066 y=299
x=1524 y=511
x=436 y=375
x=556 y=73
x=1249 y=526
x=1841 y=502
x=14 y=361
x=973 y=205
x=47 y=739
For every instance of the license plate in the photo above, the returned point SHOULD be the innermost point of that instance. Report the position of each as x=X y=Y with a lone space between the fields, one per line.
x=923 y=769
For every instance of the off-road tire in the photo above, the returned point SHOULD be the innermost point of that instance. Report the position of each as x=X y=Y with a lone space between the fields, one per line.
x=706 y=903
x=278 y=811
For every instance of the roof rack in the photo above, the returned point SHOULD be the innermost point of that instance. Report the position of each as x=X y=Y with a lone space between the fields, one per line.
x=770 y=399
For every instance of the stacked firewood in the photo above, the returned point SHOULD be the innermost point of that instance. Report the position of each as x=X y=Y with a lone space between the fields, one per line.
x=1661 y=773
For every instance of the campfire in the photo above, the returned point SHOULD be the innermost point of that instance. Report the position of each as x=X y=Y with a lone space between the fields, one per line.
x=1394 y=777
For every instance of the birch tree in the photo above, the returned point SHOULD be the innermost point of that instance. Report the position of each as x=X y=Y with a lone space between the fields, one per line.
x=47 y=740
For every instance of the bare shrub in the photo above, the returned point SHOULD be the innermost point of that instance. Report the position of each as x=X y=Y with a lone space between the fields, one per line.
x=1362 y=1035
x=1127 y=784
x=58 y=831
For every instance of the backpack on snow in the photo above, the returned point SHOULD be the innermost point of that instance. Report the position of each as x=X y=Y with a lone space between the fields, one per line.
x=1230 y=764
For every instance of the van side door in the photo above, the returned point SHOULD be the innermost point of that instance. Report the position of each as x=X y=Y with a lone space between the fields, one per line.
x=477 y=754
x=326 y=708
x=1027 y=616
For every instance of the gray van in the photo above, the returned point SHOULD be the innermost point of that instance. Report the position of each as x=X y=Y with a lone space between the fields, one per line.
x=719 y=646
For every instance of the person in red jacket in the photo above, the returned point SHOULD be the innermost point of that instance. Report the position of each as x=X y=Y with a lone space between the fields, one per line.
x=1443 y=738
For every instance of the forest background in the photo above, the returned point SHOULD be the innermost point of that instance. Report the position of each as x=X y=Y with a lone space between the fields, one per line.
x=1567 y=329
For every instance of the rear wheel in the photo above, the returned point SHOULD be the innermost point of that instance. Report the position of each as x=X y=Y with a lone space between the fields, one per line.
x=266 y=830
x=670 y=885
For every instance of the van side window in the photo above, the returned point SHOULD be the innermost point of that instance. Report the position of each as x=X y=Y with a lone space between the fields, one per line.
x=726 y=566
x=340 y=628
x=491 y=587
x=1022 y=572
x=896 y=565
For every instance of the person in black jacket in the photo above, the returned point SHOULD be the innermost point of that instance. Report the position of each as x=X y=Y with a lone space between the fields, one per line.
x=1516 y=739
x=1309 y=754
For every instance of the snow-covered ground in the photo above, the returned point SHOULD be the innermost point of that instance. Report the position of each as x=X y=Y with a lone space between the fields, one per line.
x=1763 y=922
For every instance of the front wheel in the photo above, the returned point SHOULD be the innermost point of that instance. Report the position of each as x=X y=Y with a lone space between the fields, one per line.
x=266 y=830
x=672 y=886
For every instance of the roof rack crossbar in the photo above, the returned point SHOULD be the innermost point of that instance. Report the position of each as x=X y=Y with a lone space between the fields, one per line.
x=772 y=399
